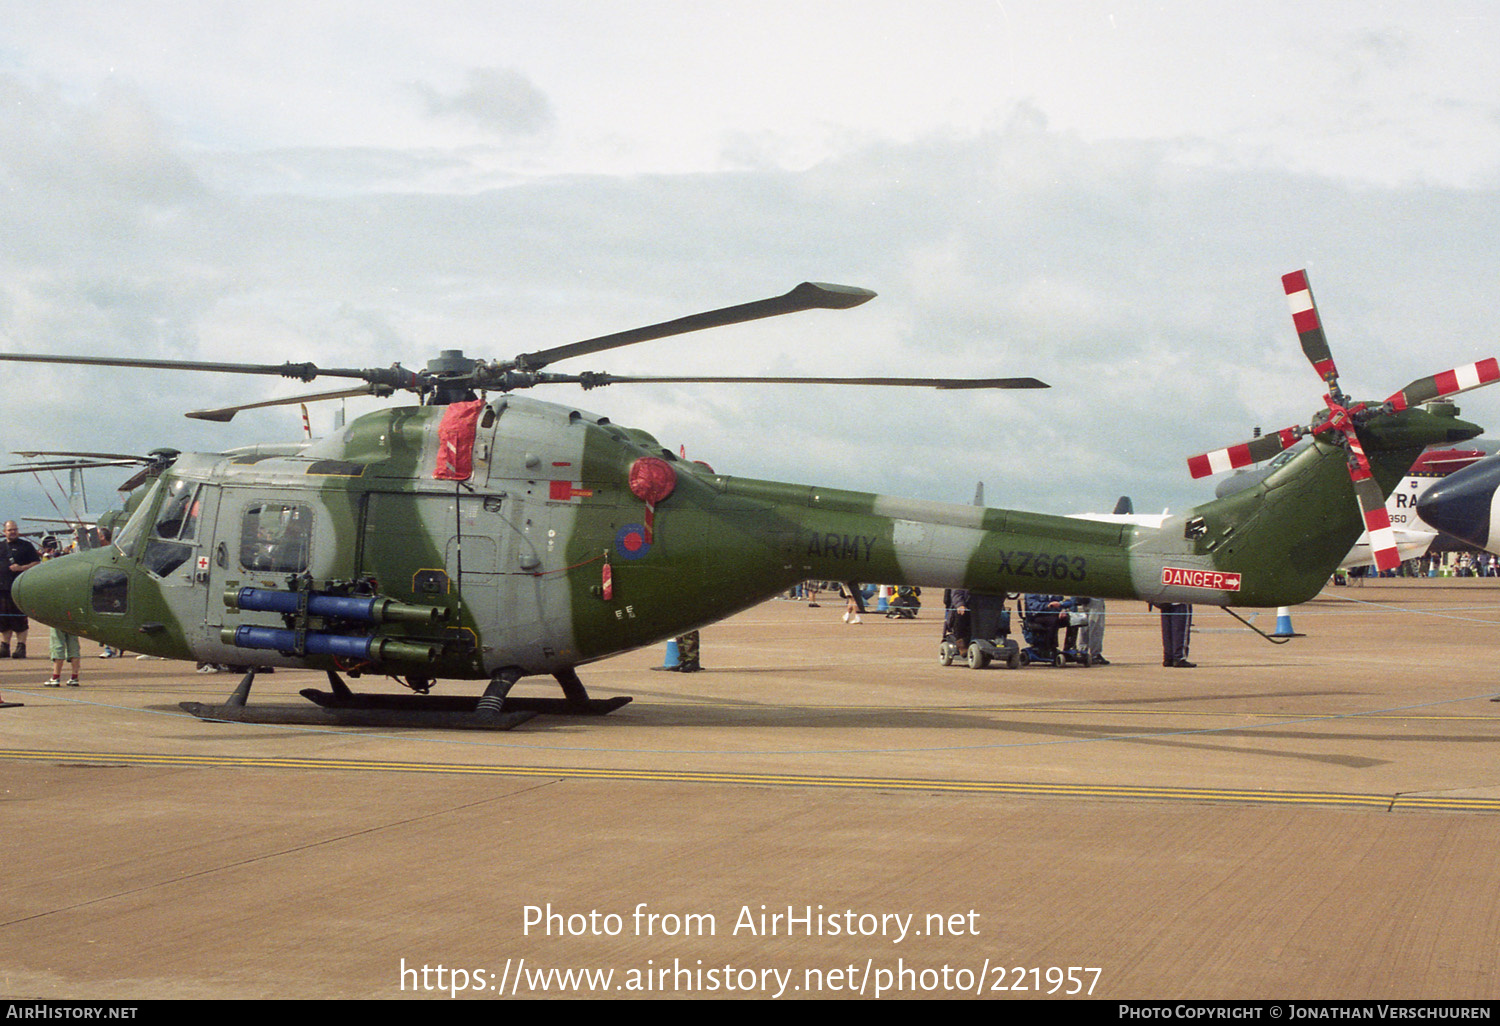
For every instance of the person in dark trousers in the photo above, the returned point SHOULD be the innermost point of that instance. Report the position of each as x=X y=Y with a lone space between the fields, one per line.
x=956 y=619
x=1176 y=626
x=687 y=653
x=1091 y=636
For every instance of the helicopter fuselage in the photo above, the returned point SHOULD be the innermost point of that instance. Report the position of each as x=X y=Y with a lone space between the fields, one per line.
x=538 y=537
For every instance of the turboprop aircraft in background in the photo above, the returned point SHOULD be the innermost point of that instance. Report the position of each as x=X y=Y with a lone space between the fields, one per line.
x=493 y=537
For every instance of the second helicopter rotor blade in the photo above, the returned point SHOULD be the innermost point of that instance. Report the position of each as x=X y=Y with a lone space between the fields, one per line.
x=31 y=453
x=32 y=468
x=135 y=480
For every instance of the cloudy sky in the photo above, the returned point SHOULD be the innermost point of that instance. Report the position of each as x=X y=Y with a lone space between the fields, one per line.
x=1100 y=194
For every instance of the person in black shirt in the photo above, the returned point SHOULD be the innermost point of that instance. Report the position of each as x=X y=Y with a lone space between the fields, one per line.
x=19 y=555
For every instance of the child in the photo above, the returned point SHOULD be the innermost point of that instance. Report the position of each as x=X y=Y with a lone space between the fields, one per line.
x=63 y=646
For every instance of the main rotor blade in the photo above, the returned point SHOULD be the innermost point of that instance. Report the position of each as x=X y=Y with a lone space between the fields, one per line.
x=1309 y=326
x=807 y=296
x=1441 y=386
x=1236 y=456
x=395 y=377
x=597 y=380
x=226 y=413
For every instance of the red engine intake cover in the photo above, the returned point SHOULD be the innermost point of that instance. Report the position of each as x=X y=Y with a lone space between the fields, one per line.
x=652 y=479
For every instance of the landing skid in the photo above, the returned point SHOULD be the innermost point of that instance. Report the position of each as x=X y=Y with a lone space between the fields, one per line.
x=342 y=707
x=463 y=704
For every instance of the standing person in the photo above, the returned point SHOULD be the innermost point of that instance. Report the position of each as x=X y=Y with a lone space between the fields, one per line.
x=687 y=653
x=853 y=602
x=17 y=555
x=61 y=646
x=1091 y=635
x=106 y=539
x=1176 y=626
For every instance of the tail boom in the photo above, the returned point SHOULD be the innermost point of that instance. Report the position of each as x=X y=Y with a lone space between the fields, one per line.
x=1271 y=545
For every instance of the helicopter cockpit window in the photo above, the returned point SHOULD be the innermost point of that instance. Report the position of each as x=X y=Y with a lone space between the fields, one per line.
x=176 y=527
x=128 y=538
x=178 y=519
x=274 y=536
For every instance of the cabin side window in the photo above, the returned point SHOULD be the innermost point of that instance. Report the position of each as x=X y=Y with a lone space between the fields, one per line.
x=275 y=536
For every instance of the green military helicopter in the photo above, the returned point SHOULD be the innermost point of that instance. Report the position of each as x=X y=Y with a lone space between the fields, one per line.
x=496 y=537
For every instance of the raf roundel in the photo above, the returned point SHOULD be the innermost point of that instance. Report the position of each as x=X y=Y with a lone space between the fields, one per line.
x=631 y=542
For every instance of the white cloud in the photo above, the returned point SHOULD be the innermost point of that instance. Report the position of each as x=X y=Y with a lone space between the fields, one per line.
x=502 y=101
x=1132 y=263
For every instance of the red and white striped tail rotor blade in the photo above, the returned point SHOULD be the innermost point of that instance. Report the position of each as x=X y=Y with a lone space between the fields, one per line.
x=1372 y=509
x=1377 y=520
x=1452 y=382
x=1236 y=456
x=1309 y=325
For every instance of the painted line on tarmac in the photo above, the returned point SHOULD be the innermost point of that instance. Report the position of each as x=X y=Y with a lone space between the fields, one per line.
x=1066 y=706
x=1240 y=727
x=1014 y=789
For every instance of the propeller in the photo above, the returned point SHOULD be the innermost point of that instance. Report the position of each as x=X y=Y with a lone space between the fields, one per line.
x=454 y=376
x=1339 y=423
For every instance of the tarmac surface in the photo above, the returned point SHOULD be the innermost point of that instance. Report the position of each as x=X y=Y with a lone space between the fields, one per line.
x=824 y=810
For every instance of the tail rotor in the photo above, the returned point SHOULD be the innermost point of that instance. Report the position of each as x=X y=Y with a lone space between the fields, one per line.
x=1340 y=421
